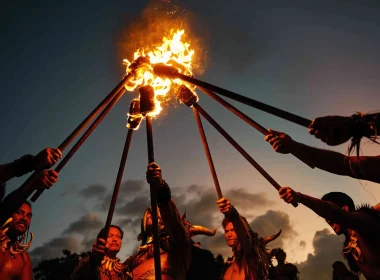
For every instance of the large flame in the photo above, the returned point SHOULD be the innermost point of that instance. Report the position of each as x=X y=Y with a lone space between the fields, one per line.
x=173 y=52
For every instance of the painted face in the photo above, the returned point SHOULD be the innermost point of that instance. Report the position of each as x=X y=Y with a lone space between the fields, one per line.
x=230 y=234
x=114 y=239
x=21 y=219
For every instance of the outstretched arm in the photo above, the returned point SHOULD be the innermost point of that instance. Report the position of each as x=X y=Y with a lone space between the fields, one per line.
x=365 y=167
x=335 y=130
x=168 y=210
x=240 y=226
x=357 y=221
x=44 y=160
x=15 y=199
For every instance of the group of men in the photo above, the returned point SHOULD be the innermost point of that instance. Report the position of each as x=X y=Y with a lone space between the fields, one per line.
x=250 y=258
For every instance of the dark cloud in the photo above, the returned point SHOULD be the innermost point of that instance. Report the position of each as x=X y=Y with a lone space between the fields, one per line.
x=93 y=191
x=54 y=247
x=302 y=244
x=270 y=223
x=129 y=223
x=128 y=190
x=85 y=224
x=327 y=250
x=135 y=207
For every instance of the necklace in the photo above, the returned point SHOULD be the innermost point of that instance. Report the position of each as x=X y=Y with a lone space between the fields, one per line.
x=14 y=247
x=112 y=264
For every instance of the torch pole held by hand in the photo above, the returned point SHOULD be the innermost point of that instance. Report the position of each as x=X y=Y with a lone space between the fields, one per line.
x=119 y=177
x=26 y=186
x=134 y=120
x=84 y=137
x=236 y=111
x=247 y=119
x=238 y=147
x=171 y=72
x=208 y=153
x=147 y=105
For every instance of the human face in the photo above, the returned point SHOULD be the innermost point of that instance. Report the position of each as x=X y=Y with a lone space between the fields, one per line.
x=280 y=257
x=114 y=240
x=337 y=228
x=149 y=218
x=21 y=220
x=230 y=234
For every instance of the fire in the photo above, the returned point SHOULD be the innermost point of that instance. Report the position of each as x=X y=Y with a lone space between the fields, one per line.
x=172 y=52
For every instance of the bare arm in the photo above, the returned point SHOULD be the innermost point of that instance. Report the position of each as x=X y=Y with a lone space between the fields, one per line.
x=172 y=221
x=357 y=221
x=15 y=199
x=7 y=172
x=241 y=229
x=240 y=226
x=365 y=168
x=26 y=273
x=43 y=160
x=168 y=210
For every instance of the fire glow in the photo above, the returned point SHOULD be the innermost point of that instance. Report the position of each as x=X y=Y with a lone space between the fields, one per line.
x=172 y=52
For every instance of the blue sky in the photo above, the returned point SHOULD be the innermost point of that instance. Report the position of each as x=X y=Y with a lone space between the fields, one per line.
x=59 y=60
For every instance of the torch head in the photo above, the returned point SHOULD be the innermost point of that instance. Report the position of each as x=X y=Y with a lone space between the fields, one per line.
x=163 y=70
x=147 y=97
x=134 y=115
x=187 y=96
x=138 y=64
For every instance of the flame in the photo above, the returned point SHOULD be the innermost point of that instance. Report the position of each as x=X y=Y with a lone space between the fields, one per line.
x=172 y=52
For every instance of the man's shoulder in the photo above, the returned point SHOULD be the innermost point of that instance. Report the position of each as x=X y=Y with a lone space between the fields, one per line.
x=26 y=258
x=373 y=211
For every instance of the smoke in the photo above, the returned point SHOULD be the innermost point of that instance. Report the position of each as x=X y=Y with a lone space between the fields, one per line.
x=155 y=22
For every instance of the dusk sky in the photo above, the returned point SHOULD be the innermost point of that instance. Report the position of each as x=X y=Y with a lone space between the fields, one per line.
x=312 y=58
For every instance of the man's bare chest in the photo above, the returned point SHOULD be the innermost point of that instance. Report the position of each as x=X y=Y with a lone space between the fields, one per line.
x=10 y=265
x=233 y=272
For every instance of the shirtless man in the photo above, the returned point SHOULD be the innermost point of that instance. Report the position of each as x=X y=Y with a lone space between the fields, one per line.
x=175 y=240
x=250 y=260
x=14 y=260
x=102 y=263
x=360 y=227
x=283 y=270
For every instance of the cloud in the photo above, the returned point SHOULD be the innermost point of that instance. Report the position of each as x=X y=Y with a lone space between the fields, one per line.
x=135 y=207
x=54 y=248
x=89 y=222
x=327 y=250
x=93 y=191
x=302 y=244
x=128 y=189
x=270 y=223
